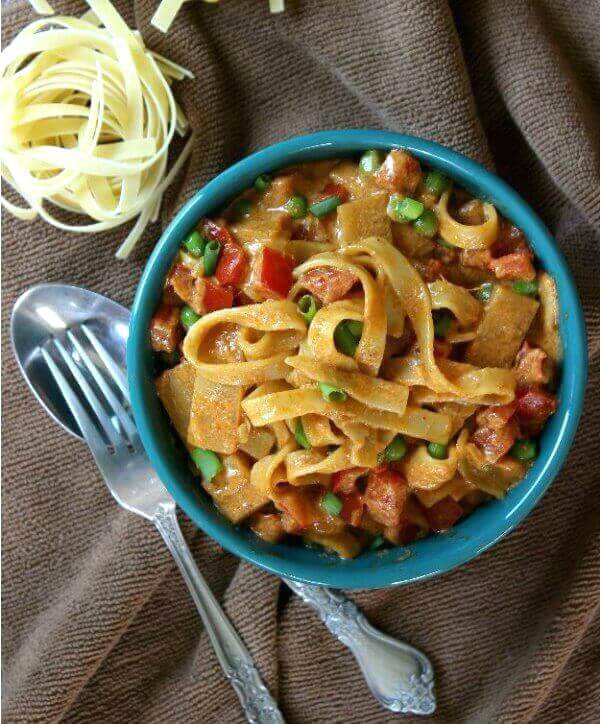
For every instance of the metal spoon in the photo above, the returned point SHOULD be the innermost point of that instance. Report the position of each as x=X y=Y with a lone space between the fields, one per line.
x=399 y=676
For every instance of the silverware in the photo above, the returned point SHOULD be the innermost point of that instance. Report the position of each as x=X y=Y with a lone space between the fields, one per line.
x=71 y=353
x=399 y=676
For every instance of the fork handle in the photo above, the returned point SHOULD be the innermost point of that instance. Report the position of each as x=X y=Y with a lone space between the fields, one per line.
x=257 y=703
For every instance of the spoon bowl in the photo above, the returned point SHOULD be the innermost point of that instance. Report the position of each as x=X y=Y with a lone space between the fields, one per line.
x=47 y=310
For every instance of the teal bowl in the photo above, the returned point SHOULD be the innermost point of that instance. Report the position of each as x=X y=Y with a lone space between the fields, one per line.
x=430 y=556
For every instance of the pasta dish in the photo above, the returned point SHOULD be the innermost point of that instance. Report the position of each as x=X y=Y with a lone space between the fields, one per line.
x=356 y=353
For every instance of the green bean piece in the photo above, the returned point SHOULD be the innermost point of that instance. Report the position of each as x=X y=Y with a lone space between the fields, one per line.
x=331 y=393
x=207 y=462
x=188 y=317
x=410 y=209
x=211 y=257
x=325 y=207
x=296 y=207
x=345 y=341
x=404 y=209
x=369 y=162
x=427 y=224
x=195 y=243
x=441 y=324
x=331 y=503
x=307 y=305
x=524 y=450
x=355 y=327
x=396 y=450
x=484 y=292
x=300 y=435
x=444 y=243
x=262 y=182
x=527 y=289
x=437 y=450
x=392 y=208
x=436 y=183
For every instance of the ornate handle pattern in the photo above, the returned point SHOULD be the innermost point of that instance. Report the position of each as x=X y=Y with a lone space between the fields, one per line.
x=257 y=703
x=399 y=676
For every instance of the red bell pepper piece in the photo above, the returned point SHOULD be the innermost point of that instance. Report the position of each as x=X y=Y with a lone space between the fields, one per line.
x=232 y=265
x=443 y=514
x=276 y=272
x=216 y=297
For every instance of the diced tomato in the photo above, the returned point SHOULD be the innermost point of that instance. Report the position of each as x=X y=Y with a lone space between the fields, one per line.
x=182 y=280
x=333 y=189
x=532 y=366
x=186 y=286
x=443 y=514
x=276 y=272
x=217 y=230
x=352 y=507
x=232 y=266
x=386 y=495
x=496 y=442
x=497 y=430
x=216 y=297
x=535 y=405
x=400 y=172
x=298 y=509
x=344 y=481
x=327 y=283
x=496 y=416
x=518 y=265
x=165 y=329
x=432 y=270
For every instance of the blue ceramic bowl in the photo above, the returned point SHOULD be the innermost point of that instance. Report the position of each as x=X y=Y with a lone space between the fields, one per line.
x=437 y=553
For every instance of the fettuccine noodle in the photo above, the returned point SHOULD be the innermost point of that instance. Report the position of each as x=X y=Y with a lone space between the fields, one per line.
x=88 y=119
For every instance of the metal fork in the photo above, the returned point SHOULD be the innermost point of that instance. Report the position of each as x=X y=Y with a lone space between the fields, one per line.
x=96 y=392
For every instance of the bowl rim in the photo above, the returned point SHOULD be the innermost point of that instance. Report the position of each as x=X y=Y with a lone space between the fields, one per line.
x=469 y=173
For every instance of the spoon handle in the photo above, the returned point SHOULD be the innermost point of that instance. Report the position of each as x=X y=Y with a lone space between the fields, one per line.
x=399 y=676
x=257 y=703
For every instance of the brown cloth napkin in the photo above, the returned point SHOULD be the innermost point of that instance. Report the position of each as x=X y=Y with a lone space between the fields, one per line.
x=97 y=623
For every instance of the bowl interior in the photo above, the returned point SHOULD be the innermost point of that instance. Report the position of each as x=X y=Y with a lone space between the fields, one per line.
x=434 y=554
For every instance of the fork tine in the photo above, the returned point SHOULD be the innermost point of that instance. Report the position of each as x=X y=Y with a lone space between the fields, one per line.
x=87 y=427
x=122 y=415
x=109 y=363
x=89 y=394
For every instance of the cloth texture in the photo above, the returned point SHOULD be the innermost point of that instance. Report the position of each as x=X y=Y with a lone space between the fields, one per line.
x=97 y=623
